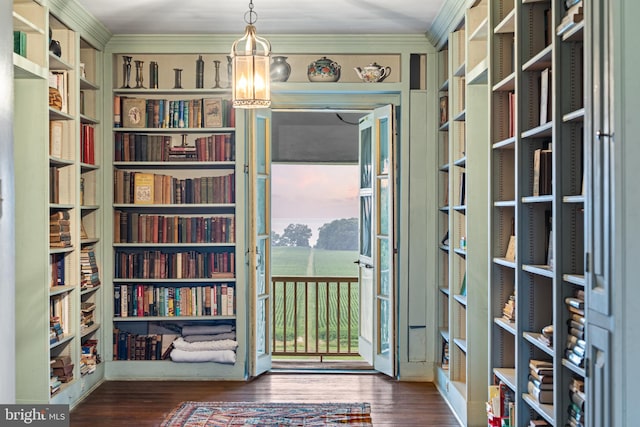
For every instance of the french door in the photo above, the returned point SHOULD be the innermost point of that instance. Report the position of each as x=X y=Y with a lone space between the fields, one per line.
x=259 y=241
x=376 y=341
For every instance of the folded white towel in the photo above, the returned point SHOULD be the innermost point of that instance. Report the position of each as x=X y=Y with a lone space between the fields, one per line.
x=219 y=356
x=206 y=329
x=181 y=344
x=215 y=337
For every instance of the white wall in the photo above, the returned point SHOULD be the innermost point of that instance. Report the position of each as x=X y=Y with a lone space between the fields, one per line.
x=7 y=236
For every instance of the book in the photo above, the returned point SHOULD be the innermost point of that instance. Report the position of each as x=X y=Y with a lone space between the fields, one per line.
x=212 y=112
x=444 y=110
x=143 y=188
x=545 y=98
x=133 y=112
x=542 y=396
x=20 y=43
x=510 y=255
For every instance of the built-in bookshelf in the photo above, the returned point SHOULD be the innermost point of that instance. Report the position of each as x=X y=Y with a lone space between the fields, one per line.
x=463 y=100
x=537 y=214
x=57 y=265
x=174 y=213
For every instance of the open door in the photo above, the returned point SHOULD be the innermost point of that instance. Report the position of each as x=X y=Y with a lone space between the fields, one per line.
x=377 y=243
x=259 y=244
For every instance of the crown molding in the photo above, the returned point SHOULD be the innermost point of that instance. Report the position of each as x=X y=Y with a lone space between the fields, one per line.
x=289 y=43
x=449 y=17
x=76 y=17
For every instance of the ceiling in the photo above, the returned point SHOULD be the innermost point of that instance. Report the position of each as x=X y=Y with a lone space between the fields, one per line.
x=274 y=16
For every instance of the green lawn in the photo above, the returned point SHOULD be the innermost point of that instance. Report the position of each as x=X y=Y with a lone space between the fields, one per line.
x=294 y=261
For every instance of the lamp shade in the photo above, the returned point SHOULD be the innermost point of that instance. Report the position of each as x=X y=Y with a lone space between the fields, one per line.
x=251 y=68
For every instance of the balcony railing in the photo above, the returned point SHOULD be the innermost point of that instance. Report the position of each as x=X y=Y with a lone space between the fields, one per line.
x=315 y=316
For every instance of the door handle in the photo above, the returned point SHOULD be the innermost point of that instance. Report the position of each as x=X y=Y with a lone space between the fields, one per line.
x=365 y=265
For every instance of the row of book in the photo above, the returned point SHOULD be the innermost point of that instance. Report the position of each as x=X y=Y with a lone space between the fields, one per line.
x=173 y=113
x=60 y=229
x=444 y=358
x=57 y=266
x=60 y=371
x=573 y=15
x=134 y=227
x=87 y=319
x=509 y=309
x=87 y=144
x=167 y=301
x=174 y=265
x=501 y=408
x=89 y=274
x=576 y=407
x=540 y=385
x=576 y=343
x=542 y=171
x=89 y=357
x=148 y=188
x=130 y=346
x=140 y=147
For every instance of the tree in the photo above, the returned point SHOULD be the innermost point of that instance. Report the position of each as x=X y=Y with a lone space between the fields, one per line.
x=296 y=235
x=340 y=234
x=276 y=239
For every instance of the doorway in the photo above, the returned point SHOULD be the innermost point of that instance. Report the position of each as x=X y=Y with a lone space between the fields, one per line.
x=304 y=138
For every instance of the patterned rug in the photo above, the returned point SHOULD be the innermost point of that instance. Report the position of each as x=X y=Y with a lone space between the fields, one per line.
x=259 y=414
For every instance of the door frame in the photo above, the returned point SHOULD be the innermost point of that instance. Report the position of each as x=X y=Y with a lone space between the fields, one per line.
x=365 y=102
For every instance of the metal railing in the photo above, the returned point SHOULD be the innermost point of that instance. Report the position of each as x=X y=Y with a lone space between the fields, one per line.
x=315 y=316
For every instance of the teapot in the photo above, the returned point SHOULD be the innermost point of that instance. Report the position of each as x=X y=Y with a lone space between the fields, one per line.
x=373 y=73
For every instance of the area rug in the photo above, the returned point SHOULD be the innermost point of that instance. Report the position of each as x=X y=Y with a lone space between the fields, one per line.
x=259 y=414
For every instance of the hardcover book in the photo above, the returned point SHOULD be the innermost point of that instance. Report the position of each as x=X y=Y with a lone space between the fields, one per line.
x=133 y=112
x=144 y=188
x=212 y=112
x=55 y=139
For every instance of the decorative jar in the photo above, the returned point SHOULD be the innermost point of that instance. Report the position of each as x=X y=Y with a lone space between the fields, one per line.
x=323 y=70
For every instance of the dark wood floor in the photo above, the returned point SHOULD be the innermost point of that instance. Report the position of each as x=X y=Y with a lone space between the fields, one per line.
x=146 y=403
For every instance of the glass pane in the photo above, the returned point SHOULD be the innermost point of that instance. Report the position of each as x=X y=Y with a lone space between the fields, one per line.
x=383 y=206
x=366 y=306
x=262 y=207
x=383 y=318
x=365 y=226
x=261 y=139
x=261 y=279
x=365 y=158
x=383 y=133
x=261 y=339
x=384 y=267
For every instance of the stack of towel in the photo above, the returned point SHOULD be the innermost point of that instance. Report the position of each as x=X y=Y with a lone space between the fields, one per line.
x=206 y=343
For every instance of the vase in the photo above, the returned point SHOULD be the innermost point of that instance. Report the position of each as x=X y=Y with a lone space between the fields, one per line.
x=280 y=69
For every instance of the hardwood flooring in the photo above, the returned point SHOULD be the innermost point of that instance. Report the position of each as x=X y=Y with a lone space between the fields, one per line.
x=146 y=403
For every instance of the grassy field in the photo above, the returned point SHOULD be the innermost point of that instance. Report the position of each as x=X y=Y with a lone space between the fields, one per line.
x=294 y=261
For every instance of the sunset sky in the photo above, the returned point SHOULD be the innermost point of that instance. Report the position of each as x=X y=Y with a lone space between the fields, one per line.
x=312 y=195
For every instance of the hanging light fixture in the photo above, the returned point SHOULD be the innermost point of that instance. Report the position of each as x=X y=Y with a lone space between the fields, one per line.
x=251 y=81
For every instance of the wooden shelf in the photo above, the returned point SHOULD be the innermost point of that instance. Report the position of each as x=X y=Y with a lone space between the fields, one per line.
x=506 y=325
x=507 y=25
x=507 y=376
x=540 y=61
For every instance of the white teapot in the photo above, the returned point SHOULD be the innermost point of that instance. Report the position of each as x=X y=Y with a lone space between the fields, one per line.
x=373 y=73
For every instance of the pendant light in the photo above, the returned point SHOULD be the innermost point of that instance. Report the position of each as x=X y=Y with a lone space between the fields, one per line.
x=251 y=56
